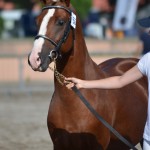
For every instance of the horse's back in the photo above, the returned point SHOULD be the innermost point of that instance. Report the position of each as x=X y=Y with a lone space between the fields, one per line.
x=117 y=66
x=130 y=103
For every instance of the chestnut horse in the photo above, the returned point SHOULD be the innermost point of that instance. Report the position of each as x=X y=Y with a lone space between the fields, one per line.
x=71 y=125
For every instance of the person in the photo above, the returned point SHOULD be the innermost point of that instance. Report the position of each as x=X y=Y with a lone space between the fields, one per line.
x=2 y=4
x=9 y=5
x=138 y=71
x=28 y=19
x=97 y=23
x=145 y=38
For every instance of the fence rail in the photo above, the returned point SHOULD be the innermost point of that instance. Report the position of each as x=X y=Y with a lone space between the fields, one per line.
x=16 y=75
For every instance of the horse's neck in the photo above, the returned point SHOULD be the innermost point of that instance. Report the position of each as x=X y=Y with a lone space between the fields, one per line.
x=78 y=63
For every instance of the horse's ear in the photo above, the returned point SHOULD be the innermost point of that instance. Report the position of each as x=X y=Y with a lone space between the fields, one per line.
x=44 y=1
x=50 y=1
x=67 y=2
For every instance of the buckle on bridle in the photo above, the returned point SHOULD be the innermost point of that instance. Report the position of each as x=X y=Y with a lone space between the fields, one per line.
x=53 y=54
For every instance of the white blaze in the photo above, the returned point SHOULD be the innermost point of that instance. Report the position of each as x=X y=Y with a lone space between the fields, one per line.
x=37 y=47
x=43 y=29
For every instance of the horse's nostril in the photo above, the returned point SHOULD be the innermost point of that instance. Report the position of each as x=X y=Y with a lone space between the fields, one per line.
x=29 y=60
x=38 y=61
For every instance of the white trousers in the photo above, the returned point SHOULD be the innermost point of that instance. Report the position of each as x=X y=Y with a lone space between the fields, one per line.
x=146 y=145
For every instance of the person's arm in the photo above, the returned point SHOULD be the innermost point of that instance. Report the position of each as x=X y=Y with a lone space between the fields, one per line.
x=108 y=83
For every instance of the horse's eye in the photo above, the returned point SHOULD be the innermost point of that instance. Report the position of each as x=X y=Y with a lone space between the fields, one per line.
x=61 y=22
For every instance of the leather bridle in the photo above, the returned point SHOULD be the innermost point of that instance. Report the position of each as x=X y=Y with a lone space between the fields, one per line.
x=55 y=53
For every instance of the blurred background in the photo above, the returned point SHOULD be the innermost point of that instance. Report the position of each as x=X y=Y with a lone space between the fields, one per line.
x=110 y=29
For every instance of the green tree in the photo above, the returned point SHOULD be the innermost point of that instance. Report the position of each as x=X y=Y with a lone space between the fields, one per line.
x=1 y=25
x=82 y=7
x=23 y=4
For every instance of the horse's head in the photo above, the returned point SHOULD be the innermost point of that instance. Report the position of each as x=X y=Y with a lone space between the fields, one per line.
x=55 y=37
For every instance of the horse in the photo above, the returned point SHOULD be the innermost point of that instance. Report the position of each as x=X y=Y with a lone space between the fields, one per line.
x=70 y=124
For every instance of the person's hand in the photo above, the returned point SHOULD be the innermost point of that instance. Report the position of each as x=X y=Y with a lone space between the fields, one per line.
x=70 y=82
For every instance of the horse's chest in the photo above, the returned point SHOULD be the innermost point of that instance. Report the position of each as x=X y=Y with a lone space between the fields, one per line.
x=72 y=116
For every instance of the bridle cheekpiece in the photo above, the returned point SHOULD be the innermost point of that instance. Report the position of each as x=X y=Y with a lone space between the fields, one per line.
x=55 y=53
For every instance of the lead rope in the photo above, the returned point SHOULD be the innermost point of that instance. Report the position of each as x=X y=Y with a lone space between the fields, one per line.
x=60 y=78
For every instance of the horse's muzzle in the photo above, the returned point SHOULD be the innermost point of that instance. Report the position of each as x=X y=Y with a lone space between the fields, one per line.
x=29 y=60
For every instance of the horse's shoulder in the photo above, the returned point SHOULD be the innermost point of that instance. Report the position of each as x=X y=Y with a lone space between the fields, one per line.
x=116 y=66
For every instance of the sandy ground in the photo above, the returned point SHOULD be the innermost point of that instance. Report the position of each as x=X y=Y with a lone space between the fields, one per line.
x=23 y=122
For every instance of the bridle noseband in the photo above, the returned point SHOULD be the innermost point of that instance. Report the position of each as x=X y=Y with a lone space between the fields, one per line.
x=56 y=52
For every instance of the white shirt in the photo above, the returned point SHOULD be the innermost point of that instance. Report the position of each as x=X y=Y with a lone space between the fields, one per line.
x=144 y=67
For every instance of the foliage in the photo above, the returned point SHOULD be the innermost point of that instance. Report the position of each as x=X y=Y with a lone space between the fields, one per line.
x=1 y=24
x=82 y=7
x=23 y=4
